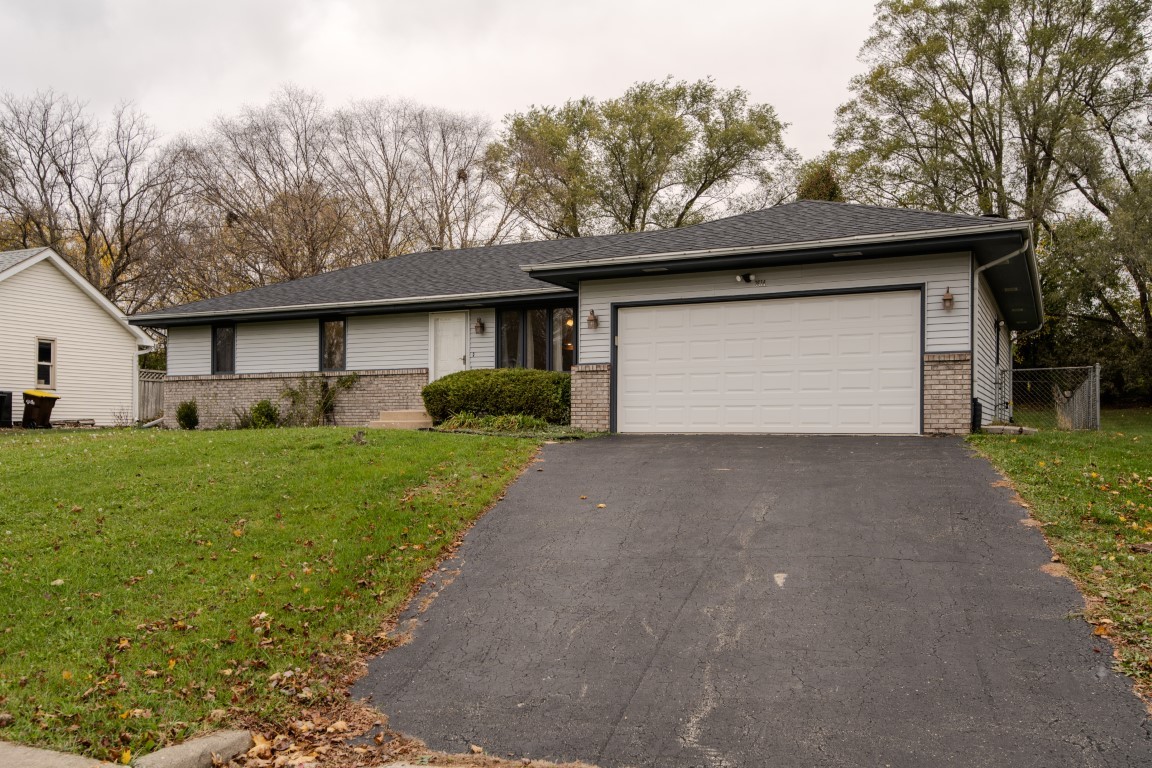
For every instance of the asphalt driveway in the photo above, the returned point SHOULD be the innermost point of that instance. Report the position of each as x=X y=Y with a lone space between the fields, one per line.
x=759 y=601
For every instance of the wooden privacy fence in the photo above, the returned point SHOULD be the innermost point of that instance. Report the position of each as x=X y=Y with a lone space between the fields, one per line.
x=151 y=395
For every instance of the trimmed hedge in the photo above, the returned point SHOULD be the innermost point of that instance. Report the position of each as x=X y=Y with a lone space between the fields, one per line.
x=545 y=395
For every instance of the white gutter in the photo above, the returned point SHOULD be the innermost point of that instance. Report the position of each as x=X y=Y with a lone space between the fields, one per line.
x=925 y=234
x=343 y=304
x=1002 y=259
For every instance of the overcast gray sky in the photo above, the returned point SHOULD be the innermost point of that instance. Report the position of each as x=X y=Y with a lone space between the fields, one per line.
x=184 y=62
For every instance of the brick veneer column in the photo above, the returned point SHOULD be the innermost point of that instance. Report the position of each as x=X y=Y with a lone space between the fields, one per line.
x=948 y=393
x=219 y=397
x=592 y=397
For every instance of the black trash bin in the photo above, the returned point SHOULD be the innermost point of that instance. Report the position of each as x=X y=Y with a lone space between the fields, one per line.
x=38 y=409
x=5 y=410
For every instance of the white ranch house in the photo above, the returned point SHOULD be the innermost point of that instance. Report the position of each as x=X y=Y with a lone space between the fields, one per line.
x=808 y=317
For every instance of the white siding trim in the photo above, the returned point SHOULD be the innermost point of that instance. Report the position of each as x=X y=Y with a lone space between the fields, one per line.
x=482 y=347
x=190 y=350
x=284 y=346
x=378 y=342
x=984 y=365
x=944 y=330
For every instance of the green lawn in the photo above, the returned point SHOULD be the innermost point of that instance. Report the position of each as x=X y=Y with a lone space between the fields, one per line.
x=1093 y=493
x=152 y=583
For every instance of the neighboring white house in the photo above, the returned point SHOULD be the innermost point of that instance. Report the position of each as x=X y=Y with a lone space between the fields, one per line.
x=58 y=333
x=805 y=317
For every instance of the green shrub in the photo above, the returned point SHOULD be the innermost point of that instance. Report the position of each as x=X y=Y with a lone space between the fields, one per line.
x=265 y=414
x=188 y=415
x=544 y=395
x=262 y=415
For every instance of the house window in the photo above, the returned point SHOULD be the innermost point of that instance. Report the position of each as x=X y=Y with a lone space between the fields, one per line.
x=333 y=345
x=537 y=338
x=45 y=364
x=224 y=349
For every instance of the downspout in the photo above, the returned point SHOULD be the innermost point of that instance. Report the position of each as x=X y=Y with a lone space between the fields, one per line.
x=1002 y=259
x=976 y=297
x=1035 y=286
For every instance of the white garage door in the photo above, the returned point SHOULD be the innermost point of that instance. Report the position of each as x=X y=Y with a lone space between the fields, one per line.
x=827 y=364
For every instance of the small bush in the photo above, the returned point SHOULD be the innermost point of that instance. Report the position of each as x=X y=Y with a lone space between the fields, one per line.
x=262 y=415
x=188 y=415
x=545 y=395
x=265 y=414
x=312 y=402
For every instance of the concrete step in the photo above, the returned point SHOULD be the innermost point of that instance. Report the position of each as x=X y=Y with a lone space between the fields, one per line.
x=402 y=420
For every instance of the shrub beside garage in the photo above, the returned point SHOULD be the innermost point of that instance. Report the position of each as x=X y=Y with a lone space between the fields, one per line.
x=544 y=395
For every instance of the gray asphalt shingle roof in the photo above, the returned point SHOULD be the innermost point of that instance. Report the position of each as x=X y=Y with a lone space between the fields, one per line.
x=9 y=259
x=491 y=269
x=497 y=268
x=798 y=222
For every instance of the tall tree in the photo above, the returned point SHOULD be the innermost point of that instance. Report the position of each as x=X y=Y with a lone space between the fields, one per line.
x=979 y=106
x=819 y=181
x=665 y=154
x=98 y=194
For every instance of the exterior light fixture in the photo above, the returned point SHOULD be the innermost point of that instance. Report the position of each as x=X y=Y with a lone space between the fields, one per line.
x=593 y=321
x=479 y=326
x=948 y=299
x=745 y=278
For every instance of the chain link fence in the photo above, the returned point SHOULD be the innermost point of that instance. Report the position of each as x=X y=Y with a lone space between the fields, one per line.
x=1049 y=398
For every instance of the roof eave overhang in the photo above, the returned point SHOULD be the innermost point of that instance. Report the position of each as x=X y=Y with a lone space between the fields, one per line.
x=987 y=243
x=346 y=309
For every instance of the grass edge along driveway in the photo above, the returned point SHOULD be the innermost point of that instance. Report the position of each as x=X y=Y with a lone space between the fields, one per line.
x=156 y=584
x=1091 y=494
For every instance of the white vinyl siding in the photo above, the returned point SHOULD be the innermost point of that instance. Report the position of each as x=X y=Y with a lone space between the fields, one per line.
x=945 y=330
x=285 y=346
x=482 y=346
x=985 y=365
x=190 y=350
x=388 y=341
x=95 y=356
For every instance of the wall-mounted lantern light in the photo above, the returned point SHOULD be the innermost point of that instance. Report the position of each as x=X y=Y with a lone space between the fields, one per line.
x=593 y=321
x=948 y=299
x=479 y=326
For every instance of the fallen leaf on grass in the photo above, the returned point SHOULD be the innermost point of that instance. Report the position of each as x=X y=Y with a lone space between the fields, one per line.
x=1145 y=548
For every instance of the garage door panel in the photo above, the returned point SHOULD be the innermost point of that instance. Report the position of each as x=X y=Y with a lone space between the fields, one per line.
x=777 y=348
x=827 y=364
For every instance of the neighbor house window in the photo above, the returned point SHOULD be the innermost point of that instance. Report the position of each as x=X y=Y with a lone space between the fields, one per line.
x=537 y=338
x=45 y=363
x=224 y=349
x=333 y=345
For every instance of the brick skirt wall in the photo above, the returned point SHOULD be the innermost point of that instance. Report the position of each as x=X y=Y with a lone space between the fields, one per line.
x=219 y=397
x=592 y=397
x=948 y=393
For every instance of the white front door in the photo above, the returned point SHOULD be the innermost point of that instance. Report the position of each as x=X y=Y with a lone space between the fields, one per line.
x=831 y=364
x=448 y=332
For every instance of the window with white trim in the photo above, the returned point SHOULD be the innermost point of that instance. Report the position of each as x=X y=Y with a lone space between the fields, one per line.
x=46 y=363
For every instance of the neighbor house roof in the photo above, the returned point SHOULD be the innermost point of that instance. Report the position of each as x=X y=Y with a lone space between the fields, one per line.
x=413 y=280
x=13 y=263
x=795 y=232
x=9 y=259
